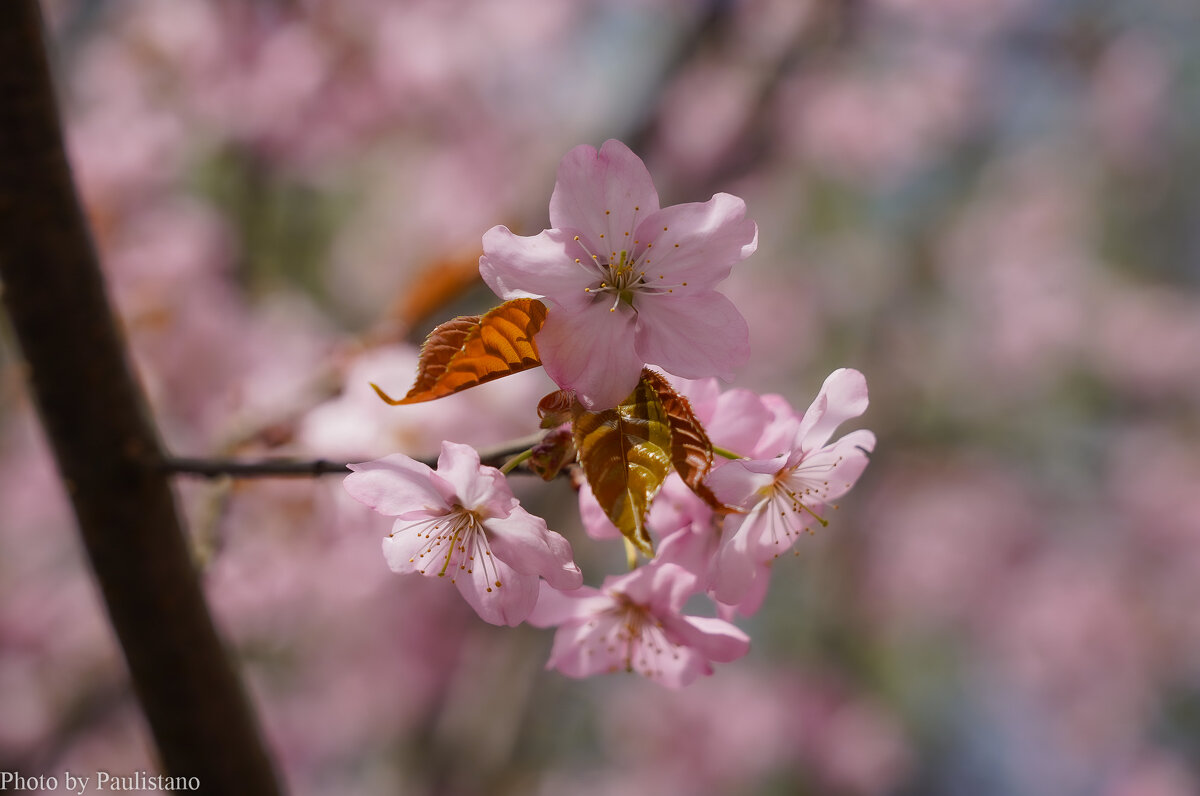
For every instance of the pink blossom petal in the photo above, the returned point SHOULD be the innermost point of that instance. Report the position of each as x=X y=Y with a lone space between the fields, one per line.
x=582 y=649
x=662 y=587
x=591 y=352
x=733 y=575
x=540 y=266
x=753 y=597
x=604 y=192
x=523 y=542
x=842 y=396
x=672 y=666
x=404 y=549
x=476 y=488
x=702 y=394
x=780 y=433
x=693 y=336
x=497 y=592
x=555 y=607
x=838 y=466
x=698 y=242
x=672 y=586
x=691 y=547
x=596 y=523
x=738 y=421
x=676 y=506
x=737 y=483
x=715 y=639
x=398 y=486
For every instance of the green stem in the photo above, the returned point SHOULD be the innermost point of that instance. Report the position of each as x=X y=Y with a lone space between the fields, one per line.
x=512 y=463
x=726 y=453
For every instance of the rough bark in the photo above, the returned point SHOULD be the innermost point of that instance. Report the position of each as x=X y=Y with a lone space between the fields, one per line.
x=105 y=445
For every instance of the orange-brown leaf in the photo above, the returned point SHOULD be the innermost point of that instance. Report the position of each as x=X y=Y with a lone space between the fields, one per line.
x=436 y=285
x=475 y=349
x=626 y=455
x=691 y=450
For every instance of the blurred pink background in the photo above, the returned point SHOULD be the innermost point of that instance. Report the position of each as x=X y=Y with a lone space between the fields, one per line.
x=991 y=208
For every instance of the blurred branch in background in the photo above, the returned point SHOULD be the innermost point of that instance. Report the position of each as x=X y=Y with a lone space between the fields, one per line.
x=105 y=445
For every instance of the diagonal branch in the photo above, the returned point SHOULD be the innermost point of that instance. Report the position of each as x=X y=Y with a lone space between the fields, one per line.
x=105 y=445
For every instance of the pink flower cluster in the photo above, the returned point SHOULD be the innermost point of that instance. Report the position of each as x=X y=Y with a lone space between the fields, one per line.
x=629 y=284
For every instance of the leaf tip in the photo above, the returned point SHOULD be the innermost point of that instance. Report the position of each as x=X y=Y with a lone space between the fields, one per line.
x=386 y=398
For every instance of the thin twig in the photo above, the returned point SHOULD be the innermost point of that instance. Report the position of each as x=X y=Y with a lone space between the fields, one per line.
x=496 y=456
x=262 y=468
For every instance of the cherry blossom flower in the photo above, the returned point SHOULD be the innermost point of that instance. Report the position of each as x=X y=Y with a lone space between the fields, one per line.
x=463 y=521
x=627 y=283
x=782 y=495
x=635 y=623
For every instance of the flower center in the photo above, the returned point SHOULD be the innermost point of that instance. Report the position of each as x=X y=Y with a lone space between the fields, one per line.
x=788 y=503
x=456 y=543
x=623 y=274
x=621 y=280
x=639 y=637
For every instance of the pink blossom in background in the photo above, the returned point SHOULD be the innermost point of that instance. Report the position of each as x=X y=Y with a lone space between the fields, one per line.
x=616 y=301
x=1019 y=264
x=948 y=536
x=635 y=623
x=1070 y=640
x=463 y=520
x=1134 y=314
x=1154 y=773
x=1129 y=88
x=879 y=125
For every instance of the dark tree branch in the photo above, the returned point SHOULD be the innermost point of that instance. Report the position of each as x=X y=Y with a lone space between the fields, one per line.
x=262 y=468
x=291 y=468
x=104 y=444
